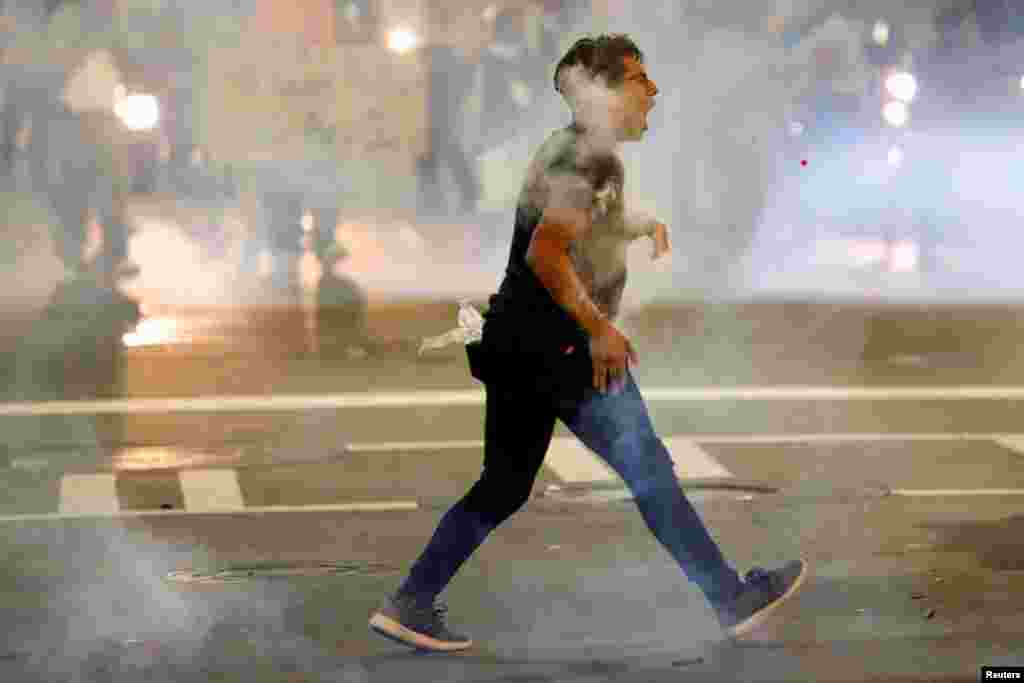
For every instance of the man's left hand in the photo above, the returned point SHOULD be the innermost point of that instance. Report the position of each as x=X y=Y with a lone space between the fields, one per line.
x=662 y=244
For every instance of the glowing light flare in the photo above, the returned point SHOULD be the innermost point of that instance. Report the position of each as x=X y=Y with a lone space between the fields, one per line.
x=402 y=40
x=896 y=113
x=152 y=332
x=880 y=33
x=138 y=112
x=902 y=86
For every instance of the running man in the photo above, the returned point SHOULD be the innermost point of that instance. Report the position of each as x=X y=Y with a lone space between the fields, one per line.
x=550 y=351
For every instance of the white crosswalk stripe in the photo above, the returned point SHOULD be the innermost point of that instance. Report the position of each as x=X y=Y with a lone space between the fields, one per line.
x=218 y=490
x=89 y=494
x=475 y=397
x=377 y=506
x=211 y=490
x=1011 y=442
x=692 y=461
x=572 y=462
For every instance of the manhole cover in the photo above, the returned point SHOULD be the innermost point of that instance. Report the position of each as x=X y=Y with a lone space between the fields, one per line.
x=279 y=570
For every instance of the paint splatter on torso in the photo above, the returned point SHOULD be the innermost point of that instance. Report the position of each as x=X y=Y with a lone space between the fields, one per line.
x=569 y=170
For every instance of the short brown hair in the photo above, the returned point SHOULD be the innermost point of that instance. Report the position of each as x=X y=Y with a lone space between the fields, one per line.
x=600 y=56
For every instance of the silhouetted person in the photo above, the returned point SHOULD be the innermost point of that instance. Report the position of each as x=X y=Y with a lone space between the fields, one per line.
x=999 y=21
x=341 y=306
x=508 y=73
x=449 y=80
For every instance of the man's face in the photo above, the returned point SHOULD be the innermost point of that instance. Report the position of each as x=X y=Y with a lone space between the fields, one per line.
x=636 y=99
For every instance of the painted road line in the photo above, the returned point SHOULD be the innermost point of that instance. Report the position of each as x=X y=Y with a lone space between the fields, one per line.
x=1011 y=442
x=89 y=494
x=213 y=490
x=742 y=439
x=927 y=493
x=413 y=446
x=737 y=439
x=572 y=462
x=381 y=506
x=228 y=404
x=692 y=461
x=278 y=403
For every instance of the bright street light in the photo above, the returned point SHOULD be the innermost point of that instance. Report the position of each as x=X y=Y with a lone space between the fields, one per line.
x=152 y=332
x=902 y=86
x=896 y=114
x=138 y=112
x=402 y=40
x=880 y=32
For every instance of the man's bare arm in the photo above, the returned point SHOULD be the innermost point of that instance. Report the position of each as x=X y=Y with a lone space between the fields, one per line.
x=638 y=224
x=548 y=256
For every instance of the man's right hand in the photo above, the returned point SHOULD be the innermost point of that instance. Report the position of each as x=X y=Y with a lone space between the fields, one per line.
x=611 y=353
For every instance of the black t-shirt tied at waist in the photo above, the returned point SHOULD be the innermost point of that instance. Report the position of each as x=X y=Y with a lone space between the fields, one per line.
x=515 y=355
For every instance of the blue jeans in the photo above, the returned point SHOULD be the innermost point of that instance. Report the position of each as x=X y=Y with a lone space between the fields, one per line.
x=519 y=423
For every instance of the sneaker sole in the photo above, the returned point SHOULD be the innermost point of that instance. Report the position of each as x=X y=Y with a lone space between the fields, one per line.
x=392 y=630
x=758 y=618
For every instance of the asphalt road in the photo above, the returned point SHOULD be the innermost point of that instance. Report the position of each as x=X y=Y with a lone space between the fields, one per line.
x=883 y=443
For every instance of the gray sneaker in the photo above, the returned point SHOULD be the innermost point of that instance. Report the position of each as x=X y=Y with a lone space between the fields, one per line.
x=763 y=591
x=419 y=626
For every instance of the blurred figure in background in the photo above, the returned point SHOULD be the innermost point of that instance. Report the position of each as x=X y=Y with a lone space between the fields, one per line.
x=509 y=71
x=179 y=107
x=340 y=307
x=87 y=185
x=949 y=23
x=941 y=66
x=555 y=16
x=837 y=79
x=282 y=216
x=969 y=65
x=730 y=104
x=278 y=194
x=58 y=105
x=62 y=96
x=207 y=189
x=16 y=19
x=30 y=84
x=450 y=77
x=999 y=21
